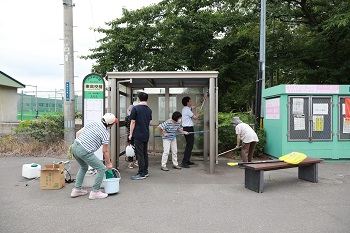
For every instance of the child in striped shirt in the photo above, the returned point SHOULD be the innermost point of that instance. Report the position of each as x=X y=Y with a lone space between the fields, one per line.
x=168 y=128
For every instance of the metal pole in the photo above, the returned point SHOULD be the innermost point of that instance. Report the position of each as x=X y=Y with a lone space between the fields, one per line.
x=212 y=142
x=216 y=120
x=116 y=126
x=36 y=101
x=55 y=101
x=113 y=142
x=206 y=128
x=22 y=107
x=262 y=51
x=69 y=118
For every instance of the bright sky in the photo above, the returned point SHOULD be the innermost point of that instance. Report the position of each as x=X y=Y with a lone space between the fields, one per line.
x=31 y=32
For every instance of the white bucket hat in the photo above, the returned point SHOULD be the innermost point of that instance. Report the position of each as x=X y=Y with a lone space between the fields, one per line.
x=236 y=121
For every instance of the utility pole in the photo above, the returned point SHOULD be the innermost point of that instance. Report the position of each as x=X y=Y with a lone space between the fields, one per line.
x=69 y=115
x=259 y=107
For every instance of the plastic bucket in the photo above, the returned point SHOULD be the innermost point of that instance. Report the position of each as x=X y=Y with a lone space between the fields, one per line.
x=31 y=170
x=111 y=185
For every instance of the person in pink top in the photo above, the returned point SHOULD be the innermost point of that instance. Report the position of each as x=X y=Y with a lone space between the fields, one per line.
x=247 y=135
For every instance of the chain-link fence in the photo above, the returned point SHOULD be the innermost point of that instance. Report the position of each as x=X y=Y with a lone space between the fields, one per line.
x=33 y=104
x=310 y=118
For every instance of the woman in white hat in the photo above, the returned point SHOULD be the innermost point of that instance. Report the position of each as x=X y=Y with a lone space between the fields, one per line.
x=248 y=136
x=88 y=140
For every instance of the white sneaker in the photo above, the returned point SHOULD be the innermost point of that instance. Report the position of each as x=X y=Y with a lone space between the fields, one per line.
x=97 y=195
x=78 y=192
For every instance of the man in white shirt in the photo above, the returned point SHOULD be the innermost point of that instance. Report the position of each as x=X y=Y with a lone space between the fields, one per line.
x=187 y=124
x=248 y=136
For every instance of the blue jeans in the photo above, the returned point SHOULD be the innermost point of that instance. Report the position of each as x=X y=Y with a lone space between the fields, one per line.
x=86 y=159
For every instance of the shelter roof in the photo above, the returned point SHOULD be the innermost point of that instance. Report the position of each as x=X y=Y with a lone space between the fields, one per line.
x=165 y=78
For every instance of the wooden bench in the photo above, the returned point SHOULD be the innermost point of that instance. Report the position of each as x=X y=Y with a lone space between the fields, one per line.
x=254 y=173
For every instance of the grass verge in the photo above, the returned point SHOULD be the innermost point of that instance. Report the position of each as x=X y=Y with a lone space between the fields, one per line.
x=13 y=145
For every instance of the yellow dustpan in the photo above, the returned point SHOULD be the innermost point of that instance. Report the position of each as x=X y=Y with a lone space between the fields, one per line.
x=291 y=158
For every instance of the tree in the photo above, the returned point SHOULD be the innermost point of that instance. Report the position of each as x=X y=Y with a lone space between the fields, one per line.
x=306 y=43
x=185 y=35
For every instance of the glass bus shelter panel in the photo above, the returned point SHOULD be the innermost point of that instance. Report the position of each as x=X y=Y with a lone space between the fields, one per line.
x=192 y=90
x=123 y=139
x=122 y=107
x=172 y=105
x=161 y=107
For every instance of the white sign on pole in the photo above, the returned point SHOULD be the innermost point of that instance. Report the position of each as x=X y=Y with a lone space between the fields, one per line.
x=93 y=104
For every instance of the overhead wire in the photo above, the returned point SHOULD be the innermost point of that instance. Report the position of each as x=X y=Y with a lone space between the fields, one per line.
x=93 y=23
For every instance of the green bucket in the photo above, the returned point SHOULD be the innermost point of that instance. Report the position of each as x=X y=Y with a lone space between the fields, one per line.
x=112 y=173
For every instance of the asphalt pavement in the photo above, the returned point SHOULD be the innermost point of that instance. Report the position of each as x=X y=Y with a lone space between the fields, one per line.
x=186 y=200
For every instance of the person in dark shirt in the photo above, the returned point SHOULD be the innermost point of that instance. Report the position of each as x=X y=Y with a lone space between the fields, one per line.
x=141 y=119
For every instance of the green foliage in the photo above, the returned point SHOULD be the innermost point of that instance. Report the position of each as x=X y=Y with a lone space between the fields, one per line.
x=47 y=128
x=227 y=134
x=262 y=142
x=306 y=43
x=78 y=115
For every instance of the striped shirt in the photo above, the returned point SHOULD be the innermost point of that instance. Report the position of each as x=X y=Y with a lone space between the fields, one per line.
x=170 y=128
x=93 y=136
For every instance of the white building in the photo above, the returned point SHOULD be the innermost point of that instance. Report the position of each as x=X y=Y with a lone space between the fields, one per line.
x=8 y=98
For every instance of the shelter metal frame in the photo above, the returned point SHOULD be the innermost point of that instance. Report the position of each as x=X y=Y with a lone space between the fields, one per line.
x=167 y=79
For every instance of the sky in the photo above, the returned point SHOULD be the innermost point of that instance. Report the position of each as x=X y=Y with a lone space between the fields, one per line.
x=31 y=32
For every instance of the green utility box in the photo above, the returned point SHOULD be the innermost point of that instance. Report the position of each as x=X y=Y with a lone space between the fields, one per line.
x=307 y=118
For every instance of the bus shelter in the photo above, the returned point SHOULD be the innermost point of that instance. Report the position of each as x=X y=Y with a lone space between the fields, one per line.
x=122 y=92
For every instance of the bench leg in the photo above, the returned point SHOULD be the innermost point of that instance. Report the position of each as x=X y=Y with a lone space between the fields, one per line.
x=254 y=180
x=309 y=173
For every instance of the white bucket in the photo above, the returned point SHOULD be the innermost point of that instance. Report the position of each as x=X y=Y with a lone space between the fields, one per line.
x=111 y=185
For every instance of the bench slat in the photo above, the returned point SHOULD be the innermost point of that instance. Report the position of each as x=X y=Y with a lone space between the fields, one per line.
x=280 y=165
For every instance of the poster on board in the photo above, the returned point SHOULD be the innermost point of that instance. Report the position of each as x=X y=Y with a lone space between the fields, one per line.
x=273 y=109
x=93 y=102
x=347 y=108
x=299 y=122
x=298 y=106
x=346 y=126
x=318 y=123
x=320 y=109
